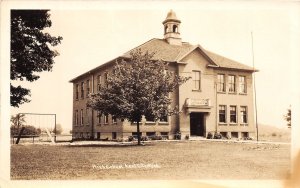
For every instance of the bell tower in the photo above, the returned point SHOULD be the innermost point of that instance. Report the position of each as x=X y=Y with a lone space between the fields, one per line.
x=171 y=29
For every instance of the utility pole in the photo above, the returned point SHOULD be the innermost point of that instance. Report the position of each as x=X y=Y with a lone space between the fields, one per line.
x=254 y=87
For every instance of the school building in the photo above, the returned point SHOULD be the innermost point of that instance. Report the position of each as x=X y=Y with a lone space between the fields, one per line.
x=218 y=98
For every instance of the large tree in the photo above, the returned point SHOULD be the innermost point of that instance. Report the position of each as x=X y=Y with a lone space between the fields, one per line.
x=31 y=51
x=58 y=129
x=137 y=87
x=18 y=120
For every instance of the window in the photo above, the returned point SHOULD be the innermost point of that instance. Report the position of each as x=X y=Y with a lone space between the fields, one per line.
x=98 y=82
x=244 y=114
x=87 y=135
x=222 y=114
x=86 y=116
x=166 y=29
x=242 y=84
x=231 y=83
x=233 y=114
x=234 y=135
x=76 y=117
x=81 y=117
x=114 y=120
x=98 y=117
x=149 y=119
x=221 y=83
x=106 y=77
x=164 y=135
x=105 y=119
x=77 y=91
x=150 y=134
x=82 y=90
x=163 y=119
x=224 y=134
x=135 y=134
x=245 y=135
x=196 y=80
x=87 y=88
x=175 y=29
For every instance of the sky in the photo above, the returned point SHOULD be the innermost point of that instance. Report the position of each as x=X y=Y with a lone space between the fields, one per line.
x=93 y=35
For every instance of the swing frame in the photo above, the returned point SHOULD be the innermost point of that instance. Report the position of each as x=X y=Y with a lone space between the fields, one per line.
x=26 y=113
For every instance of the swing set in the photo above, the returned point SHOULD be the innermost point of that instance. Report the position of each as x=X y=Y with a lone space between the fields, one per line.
x=44 y=122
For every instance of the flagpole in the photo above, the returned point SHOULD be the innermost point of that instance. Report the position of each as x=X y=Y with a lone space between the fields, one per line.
x=254 y=87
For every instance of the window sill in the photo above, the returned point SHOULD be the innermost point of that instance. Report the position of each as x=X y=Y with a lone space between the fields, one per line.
x=222 y=124
x=150 y=123
x=163 y=123
x=244 y=124
x=196 y=90
x=232 y=93
x=242 y=93
x=221 y=92
x=233 y=124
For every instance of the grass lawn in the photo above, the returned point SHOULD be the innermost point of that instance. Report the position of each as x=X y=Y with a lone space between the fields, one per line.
x=165 y=160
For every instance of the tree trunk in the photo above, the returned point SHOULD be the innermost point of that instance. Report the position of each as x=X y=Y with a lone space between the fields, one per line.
x=138 y=132
x=20 y=134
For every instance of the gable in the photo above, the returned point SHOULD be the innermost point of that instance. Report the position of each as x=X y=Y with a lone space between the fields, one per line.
x=195 y=60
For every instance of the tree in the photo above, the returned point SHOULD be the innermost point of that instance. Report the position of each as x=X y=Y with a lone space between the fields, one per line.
x=288 y=117
x=30 y=50
x=59 y=129
x=29 y=130
x=136 y=87
x=18 y=120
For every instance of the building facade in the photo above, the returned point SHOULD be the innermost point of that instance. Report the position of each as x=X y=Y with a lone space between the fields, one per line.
x=218 y=98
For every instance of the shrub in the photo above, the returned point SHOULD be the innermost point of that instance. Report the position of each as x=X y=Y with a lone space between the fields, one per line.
x=130 y=138
x=274 y=134
x=178 y=135
x=144 y=138
x=217 y=136
x=209 y=135
x=187 y=137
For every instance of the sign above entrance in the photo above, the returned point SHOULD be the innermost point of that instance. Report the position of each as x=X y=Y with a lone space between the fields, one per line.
x=197 y=102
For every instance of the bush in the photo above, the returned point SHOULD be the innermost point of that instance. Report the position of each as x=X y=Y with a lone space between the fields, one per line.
x=187 y=137
x=274 y=134
x=156 y=137
x=144 y=138
x=130 y=138
x=209 y=135
x=178 y=135
x=217 y=136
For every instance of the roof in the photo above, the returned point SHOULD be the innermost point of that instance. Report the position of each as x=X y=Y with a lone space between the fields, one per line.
x=163 y=50
x=175 y=53
x=171 y=17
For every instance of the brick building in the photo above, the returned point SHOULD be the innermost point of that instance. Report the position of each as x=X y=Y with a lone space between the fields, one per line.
x=218 y=98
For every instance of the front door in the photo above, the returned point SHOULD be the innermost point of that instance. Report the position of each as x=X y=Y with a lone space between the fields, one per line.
x=197 y=124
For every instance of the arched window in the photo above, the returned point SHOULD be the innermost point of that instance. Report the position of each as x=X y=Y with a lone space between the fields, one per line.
x=166 y=29
x=175 y=29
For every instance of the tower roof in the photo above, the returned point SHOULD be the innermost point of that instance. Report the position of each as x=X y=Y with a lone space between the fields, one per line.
x=171 y=17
